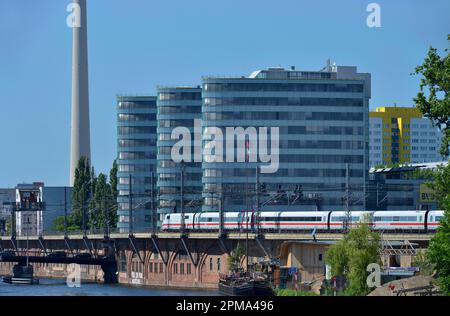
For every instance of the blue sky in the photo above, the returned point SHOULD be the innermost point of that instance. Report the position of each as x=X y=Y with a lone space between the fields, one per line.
x=135 y=45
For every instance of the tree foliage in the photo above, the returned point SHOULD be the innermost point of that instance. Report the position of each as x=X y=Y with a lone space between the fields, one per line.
x=114 y=194
x=439 y=248
x=422 y=261
x=58 y=224
x=234 y=260
x=82 y=191
x=350 y=256
x=433 y=99
x=96 y=194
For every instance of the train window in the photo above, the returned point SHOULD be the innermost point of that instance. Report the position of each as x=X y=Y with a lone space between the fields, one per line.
x=302 y=219
x=383 y=219
x=269 y=219
x=438 y=218
x=396 y=219
x=186 y=217
x=168 y=217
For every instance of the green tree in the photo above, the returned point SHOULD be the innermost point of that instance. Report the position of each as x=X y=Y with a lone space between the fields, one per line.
x=433 y=99
x=101 y=205
x=58 y=224
x=439 y=248
x=81 y=192
x=422 y=261
x=114 y=194
x=92 y=211
x=234 y=260
x=350 y=257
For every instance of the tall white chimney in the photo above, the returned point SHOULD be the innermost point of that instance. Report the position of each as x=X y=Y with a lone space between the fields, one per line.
x=80 y=129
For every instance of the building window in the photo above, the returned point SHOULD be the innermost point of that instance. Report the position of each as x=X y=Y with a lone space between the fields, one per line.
x=175 y=268
x=123 y=262
x=188 y=268
x=181 y=268
x=320 y=257
x=156 y=268
x=150 y=267
x=210 y=264
x=218 y=264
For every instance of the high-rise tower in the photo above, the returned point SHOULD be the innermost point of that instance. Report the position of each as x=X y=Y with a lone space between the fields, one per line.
x=80 y=130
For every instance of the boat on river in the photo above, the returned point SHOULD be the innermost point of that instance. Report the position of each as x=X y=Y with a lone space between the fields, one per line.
x=21 y=275
x=243 y=285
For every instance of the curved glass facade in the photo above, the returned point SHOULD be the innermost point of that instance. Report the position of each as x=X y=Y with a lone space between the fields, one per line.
x=136 y=155
x=177 y=107
x=323 y=125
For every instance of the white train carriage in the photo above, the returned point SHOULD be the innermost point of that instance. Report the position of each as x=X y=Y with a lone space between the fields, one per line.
x=433 y=219
x=294 y=220
x=206 y=221
x=337 y=218
x=173 y=221
x=231 y=220
x=399 y=220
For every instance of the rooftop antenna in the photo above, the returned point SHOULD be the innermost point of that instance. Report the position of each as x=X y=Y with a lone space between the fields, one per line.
x=348 y=213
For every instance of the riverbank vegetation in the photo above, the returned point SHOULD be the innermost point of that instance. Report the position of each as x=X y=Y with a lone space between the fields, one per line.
x=349 y=257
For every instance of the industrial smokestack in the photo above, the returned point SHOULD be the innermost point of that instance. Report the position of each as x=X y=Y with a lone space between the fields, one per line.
x=80 y=129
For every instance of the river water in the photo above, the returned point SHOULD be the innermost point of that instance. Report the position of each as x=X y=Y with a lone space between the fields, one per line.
x=55 y=287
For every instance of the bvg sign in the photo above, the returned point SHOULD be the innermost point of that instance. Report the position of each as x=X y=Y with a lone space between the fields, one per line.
x=426 y=194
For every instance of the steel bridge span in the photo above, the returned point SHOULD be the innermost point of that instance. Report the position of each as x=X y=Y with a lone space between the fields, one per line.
x=193 y=259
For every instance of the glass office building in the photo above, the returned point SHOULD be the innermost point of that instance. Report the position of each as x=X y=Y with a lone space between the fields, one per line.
x=323 y=125
x=136 y=156
x=177 y=107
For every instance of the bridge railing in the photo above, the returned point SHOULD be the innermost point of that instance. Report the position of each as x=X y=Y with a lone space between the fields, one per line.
x=101 y=232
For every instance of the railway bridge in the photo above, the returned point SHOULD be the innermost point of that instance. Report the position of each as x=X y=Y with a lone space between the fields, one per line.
x=193 y=259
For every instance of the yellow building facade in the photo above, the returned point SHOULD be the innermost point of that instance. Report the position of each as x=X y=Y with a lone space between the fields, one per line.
x=393 y=125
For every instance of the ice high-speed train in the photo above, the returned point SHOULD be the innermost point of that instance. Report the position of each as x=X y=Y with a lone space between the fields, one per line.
x=291 y=221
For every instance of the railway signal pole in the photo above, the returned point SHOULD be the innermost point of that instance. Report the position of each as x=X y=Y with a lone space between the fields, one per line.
x=105 y=214
x=348 y=213
x=257 y=213
x=130 y=206
x=65 y=212
x=182 y=196
x=83 y=210
x=152 y=205
x=221 y=217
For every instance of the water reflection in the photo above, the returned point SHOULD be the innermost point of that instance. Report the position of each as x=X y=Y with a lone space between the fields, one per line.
x=52 y=287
